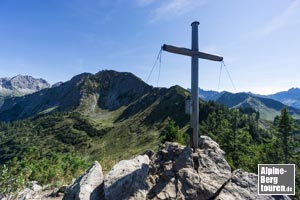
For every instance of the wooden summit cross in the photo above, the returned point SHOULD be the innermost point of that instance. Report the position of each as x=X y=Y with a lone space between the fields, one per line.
x=195 y=54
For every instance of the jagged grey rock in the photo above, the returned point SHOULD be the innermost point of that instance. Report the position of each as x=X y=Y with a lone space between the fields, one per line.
x=30 y=193
x=22 y=85
x=212 y=167
x=243 y=185
x=88 y=186
x=127 y=179
x=190 y=183
x=176 y=172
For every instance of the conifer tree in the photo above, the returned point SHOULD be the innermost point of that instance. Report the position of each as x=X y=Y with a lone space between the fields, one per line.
x=285 y=130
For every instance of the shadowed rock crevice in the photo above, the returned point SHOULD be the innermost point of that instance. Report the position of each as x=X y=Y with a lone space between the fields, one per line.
x=98 y=192
x=220 y=190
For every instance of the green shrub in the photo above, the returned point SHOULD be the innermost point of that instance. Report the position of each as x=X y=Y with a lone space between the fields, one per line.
x=172 y=133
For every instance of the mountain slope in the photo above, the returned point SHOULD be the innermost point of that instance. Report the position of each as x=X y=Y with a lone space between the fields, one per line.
x=268 y=108
x=290 y=97
x=20 y=85
x=62 y=98
x=107 y=90
x=118 y=110
x=107 y=116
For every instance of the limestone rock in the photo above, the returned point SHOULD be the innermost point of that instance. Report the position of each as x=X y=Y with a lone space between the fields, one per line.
x=184 y=160
x=88 y=186
x=211 y=166
x=166 y=171
x=243 y=185
x=178 y=173
x=127 y=179
x=30 y=192
x=174 y=172
x=190 y=184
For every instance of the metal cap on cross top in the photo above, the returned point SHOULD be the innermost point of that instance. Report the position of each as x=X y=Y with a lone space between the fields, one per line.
x=195 y=23
x=195 y=55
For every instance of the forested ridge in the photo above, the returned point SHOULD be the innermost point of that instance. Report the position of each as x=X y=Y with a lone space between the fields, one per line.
x=249 y=141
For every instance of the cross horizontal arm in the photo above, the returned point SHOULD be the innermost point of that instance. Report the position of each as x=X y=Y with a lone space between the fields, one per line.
x=189 y=52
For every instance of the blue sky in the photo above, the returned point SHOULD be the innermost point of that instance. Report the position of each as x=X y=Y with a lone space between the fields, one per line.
x=57 y=39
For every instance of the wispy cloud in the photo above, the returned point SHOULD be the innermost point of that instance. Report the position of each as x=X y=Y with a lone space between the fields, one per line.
x=172 y=8
x=289 y=17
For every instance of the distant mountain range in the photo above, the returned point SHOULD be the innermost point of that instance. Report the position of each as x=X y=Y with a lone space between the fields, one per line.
x=20 y=85
x=90 y=93
x=269 y=106
x=290 y=97
x=73 y=94
x=209 y=95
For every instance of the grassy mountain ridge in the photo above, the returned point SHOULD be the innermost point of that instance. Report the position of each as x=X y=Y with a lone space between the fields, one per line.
x=111 y=89
x=53 y=147
x=63 y=98
x=268 y=108
x=96 y=116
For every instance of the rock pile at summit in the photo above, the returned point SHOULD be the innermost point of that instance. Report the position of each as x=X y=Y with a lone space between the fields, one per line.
x=174 y=172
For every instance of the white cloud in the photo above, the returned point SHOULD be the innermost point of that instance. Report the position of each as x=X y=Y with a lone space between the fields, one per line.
x=171 y=8
x=289 y=17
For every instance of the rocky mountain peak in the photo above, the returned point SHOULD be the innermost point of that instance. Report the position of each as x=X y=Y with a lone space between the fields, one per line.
x=23 y=84
x=294 y=90
x=57 y=84
x=80 y=77
x=125 y=77
x=3 y=80
x=119 y=88
x=290 y=97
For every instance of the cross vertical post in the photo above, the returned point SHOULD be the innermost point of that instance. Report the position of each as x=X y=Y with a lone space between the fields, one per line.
x=194 y=86
x=195 y=55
